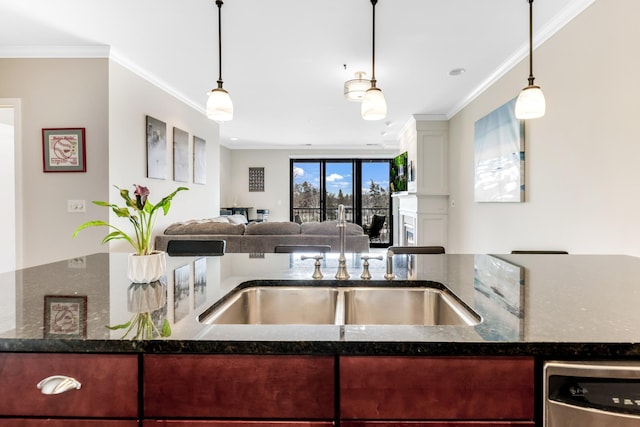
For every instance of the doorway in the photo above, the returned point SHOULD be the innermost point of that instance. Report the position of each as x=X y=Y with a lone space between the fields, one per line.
x=318 y=186
x=9 y=180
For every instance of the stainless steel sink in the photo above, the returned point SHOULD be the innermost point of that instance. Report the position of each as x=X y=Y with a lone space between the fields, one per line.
x=351 y=305
x=277 y=305
x=405 y=306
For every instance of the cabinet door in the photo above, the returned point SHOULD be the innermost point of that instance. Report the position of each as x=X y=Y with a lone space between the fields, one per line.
x=25 y=422
x=208 y=423
x=437 y=424
x=109 y=385
x=239 y=386
x=436 y=388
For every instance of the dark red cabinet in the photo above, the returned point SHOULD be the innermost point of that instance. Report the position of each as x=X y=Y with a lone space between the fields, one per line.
x=239 y=386
x=109 y=387
x=436 y=388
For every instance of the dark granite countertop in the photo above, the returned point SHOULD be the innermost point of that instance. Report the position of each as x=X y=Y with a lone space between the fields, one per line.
x=532 y=305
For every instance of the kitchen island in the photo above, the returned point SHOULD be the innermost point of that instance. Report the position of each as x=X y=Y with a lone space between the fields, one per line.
x=531 y=308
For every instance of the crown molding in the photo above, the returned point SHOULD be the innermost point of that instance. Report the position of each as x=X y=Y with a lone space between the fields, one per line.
x=157 y=82
x=97 y=51
x=87 y=51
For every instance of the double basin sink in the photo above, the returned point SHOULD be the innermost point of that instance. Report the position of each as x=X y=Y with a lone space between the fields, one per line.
x=339 y=305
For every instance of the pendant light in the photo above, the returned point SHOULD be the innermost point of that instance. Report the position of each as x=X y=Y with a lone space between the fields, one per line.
x=355 y=89
x=530 y=103
x=219 y=105
x=374 y=106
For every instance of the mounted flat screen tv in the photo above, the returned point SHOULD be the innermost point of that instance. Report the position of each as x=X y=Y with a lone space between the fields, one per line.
x=399 y=173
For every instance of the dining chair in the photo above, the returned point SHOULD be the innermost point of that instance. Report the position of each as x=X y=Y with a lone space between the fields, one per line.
x=288 y=249
x=196 y=247
x=540 y=252
x=417 y=249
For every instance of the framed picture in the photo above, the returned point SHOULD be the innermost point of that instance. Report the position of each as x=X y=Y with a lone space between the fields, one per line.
x=181 y=292
x=63 y=150
x=199 y=161
x=65 y=316
x=499 y=291
x=156 y=148
x=256 y=179
x=499 y=156
x=180 y=155
x=200 y=281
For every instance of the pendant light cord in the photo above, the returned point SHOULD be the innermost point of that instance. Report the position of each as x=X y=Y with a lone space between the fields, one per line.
x=531 y=78
x=373 y=56
x=219 y=3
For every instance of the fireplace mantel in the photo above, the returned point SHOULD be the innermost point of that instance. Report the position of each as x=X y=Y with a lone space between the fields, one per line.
x=421 y=214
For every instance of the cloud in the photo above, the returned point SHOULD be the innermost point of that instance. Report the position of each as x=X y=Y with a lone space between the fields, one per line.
x=334 y=177
x=297 y=171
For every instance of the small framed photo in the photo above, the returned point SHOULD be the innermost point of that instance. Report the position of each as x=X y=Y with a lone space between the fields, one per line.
x=156 y=148
x=180 y=155
x=65 y=316
x=63 y=150
x=256 y=179
x=199 y=160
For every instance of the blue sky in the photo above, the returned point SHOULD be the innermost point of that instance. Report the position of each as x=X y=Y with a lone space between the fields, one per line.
x=339 y=175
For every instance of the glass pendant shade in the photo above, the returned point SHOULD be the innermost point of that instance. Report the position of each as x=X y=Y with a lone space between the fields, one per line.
x=355 y=89
x=374 y=106
x=219 y=105
x=531 y=103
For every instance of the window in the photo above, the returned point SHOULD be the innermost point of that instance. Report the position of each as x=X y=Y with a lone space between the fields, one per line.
x=361 y=185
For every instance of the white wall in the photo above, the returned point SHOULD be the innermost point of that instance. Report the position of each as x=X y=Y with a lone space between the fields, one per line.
x=581 y=158
x=57 y=93
x=8 y=188
x=131 y=99
x=276 y=165
x=225 y=171
x=111 y=103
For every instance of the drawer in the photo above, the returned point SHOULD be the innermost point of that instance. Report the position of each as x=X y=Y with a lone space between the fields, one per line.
x=436 y=388
x=438 y=424
x=60 y=422
x=109 y=385
x=239 y=386
x=213 y=423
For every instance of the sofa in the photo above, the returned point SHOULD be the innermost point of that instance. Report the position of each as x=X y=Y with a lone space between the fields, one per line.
x=263 y=237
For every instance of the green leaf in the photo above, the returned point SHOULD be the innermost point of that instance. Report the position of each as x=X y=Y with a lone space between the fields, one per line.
x=89 y=224
x=121 y=212
x=121 y=326
x=166 y=329
x=115 y=235
x=165 y=203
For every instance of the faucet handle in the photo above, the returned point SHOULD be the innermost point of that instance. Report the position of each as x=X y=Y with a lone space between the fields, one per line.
x=366 y=275
x=317 y=274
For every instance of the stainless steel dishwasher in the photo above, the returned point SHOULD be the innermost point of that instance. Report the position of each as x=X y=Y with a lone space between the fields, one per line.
x=591 y=394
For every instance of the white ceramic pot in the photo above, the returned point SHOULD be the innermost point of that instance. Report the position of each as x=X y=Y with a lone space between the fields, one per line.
x=146 y=297
x=147 y=268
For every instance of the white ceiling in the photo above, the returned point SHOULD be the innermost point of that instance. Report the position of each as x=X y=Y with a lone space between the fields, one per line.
x=285 y=61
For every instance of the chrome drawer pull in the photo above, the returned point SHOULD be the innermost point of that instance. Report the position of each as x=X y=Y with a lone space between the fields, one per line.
x=57 y=384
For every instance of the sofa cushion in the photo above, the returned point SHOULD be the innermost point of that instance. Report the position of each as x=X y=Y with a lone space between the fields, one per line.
x=205 y=227
x=220 y=219
x=237 y=219
x=329 y=228
x=273 y=228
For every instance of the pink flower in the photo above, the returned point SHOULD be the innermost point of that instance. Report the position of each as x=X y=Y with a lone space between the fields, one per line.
x=141 y=194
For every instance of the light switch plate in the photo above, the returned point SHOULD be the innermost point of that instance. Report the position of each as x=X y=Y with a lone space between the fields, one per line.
x=76 y=206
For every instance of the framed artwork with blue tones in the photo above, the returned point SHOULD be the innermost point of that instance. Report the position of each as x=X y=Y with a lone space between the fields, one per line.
x=499 y=156
x=500 y=296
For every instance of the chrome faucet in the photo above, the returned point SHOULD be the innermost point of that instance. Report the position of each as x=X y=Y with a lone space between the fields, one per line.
x=389 y=274
x=342 y=273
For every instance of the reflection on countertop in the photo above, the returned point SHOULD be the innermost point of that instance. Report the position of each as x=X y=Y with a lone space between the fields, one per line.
x=529 y=304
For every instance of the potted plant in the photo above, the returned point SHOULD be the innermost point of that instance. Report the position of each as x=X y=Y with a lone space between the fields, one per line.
x=147 y=301
x=145 y=264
